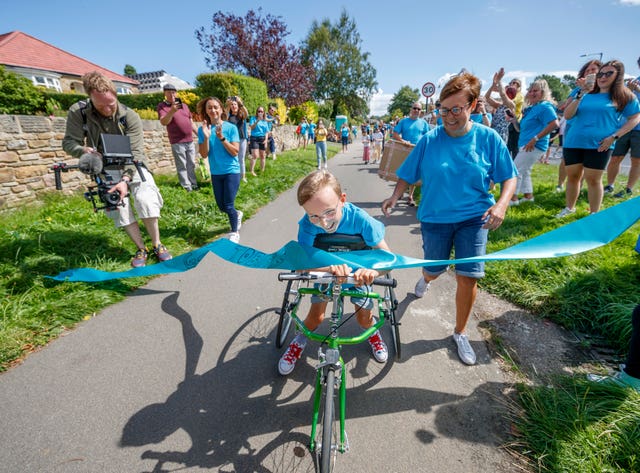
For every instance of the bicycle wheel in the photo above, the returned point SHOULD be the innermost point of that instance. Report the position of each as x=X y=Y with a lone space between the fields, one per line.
x=391 y=304
x=284 y=323
x=329 y=446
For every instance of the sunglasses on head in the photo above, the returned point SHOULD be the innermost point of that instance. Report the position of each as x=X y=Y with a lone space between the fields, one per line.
x=233 y=99
x=607 y=74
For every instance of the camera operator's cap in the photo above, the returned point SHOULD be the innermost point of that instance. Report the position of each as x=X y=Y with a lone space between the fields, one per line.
x=169 y=87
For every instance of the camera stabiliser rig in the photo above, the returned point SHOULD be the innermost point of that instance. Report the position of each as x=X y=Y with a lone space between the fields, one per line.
x=116 y=154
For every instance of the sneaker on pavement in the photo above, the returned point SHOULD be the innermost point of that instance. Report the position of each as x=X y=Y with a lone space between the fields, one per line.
x=240 y=215
x=378 y=348
x=288 y=361
x=620 y=378
x=608 y=189
x=625 y=193
x=234 y=237
x=465 y=352
x=140 y=258
x=162 y=253
x=565 y=212
x=421 y=288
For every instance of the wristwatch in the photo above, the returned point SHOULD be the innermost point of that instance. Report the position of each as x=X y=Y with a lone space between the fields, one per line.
x=615 y=137
x=223 y=139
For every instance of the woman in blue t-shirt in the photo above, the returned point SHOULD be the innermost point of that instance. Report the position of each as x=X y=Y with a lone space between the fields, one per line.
x=219 y=141
x=258 y=142
x=600 y=114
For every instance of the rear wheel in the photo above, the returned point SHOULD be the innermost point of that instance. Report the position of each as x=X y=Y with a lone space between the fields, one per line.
x=391 y=304
x=329 y=446
x=284 y=323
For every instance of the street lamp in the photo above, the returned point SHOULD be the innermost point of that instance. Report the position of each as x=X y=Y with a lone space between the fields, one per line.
x=592 y=54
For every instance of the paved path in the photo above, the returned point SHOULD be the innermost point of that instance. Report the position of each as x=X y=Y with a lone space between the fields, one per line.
x=181 y=376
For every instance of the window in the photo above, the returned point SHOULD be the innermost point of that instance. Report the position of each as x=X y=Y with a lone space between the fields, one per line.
x=48 y=82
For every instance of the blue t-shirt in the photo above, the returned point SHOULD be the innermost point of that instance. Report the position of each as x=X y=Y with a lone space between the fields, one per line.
x=220 y=161
x=344 y=132
x=477 y=117
x=411 y=130
x=456 y=173
x=312 y=129
x=261 y=129
x=595 y=119
x=354 y=221
x=534 y=119
x=304 y=126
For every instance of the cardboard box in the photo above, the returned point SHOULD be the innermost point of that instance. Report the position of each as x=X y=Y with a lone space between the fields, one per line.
x=395 y=152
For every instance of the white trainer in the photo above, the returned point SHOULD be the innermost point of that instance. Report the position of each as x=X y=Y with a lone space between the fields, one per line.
x=421 y=288
x=565 y=212
x=240 y=215
x=465 y=352
x=234 y=237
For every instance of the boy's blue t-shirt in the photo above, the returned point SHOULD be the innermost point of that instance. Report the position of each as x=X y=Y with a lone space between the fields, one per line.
x=595 y=119
x=220 y=161
x=344 y=131
x=312 y=128
x=411 y=130
x=261 y=129
x=534 y=120
x=354 y=221
x=456 y=173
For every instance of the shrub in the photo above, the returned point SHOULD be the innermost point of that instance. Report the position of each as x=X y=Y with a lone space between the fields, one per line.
x=307 y=109
x=226 y=84
x=18 y=95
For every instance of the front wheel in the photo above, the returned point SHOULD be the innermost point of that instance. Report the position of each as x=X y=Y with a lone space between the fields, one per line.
x=329 y=446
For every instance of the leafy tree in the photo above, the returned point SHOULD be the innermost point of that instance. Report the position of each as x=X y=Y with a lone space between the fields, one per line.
x=569 y=80
x=18 y=94
x=129 y=70
x=344 y=73
x=402 y=100
x=559 y=90
x=255 y=46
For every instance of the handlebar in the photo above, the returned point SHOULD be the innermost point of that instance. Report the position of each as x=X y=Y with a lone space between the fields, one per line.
x=328 y=278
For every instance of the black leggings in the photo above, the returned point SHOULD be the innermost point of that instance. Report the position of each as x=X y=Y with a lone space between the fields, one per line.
x=633 y=358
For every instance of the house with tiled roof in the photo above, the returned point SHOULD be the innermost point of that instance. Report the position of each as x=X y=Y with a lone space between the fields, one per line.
x=51 y=67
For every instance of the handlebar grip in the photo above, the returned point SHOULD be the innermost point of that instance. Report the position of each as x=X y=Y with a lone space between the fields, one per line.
x=58 y=176
x=387 y=282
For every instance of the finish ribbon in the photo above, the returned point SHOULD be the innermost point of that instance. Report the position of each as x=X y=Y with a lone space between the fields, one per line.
x=576 y=237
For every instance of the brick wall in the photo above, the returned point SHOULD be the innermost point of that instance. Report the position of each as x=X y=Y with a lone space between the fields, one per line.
x=30 y=145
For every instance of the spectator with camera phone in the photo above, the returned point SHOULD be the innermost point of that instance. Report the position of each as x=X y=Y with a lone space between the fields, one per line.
x=103 y=114
x=177 y=118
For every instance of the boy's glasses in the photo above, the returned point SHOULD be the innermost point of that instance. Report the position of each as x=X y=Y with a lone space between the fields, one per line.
x=454 y=110
x=607 y=74
x=326 y=215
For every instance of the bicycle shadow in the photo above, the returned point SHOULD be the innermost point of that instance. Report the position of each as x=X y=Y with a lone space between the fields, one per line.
x=227 y=410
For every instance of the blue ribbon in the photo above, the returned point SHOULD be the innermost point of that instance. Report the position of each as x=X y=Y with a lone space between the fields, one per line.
x=576 y=237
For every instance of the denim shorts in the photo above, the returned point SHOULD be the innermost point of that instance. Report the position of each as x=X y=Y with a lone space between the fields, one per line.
x=364 y=302
x=467 y=238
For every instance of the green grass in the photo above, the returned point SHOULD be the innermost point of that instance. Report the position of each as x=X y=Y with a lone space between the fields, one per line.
x=62 y=232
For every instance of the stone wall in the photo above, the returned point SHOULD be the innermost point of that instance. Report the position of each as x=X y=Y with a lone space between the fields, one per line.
x=31 y=145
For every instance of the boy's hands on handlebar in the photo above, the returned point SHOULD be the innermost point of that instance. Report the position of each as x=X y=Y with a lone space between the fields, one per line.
x=365 y=276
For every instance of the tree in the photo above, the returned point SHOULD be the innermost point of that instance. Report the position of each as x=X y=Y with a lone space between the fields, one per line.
x=344 y=74
x=129 y=70
x=255 y=46
x=559 y=90
x=403 y=99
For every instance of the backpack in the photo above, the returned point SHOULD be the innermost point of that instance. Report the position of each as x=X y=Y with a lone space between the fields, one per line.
x=298 y=130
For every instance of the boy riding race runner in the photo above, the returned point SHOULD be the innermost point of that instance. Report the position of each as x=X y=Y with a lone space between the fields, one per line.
x=328 y=212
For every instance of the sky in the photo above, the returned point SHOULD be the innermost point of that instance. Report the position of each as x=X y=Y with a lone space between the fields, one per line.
x=409 y=42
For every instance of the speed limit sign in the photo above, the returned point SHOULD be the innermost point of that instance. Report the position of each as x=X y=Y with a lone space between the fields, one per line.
x=428 y=89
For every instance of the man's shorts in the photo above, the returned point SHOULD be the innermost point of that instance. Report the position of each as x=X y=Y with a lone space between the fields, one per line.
x=630 y=141
x=364 y=302
x=468 y=238
x=146 y=198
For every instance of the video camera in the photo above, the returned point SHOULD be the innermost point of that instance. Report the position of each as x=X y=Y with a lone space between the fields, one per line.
x=116 y=153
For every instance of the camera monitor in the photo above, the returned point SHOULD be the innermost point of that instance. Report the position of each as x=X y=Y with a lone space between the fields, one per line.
x=115 y=146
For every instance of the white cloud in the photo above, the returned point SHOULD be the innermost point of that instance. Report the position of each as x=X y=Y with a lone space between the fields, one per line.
x=630 y=2
x=379 y=103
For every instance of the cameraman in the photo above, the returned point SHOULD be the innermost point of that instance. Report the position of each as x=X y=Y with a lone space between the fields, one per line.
x=177 y=118
x=102 y=113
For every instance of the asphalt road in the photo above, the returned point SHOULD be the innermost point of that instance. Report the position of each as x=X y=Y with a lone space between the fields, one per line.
x=181 y=376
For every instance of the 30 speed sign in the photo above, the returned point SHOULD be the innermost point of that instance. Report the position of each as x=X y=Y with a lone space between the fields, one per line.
x=428 y=89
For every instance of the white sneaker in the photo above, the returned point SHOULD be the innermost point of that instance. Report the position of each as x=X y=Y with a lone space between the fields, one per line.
x=525 y=199
x=559 y=189
x=378 y=348
x=564 y=212
x=240 y=215
x=514 y=203
x=421 y=288
x=234 y=237
x=326 y=166
x=288 y=361
x=465 y=352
